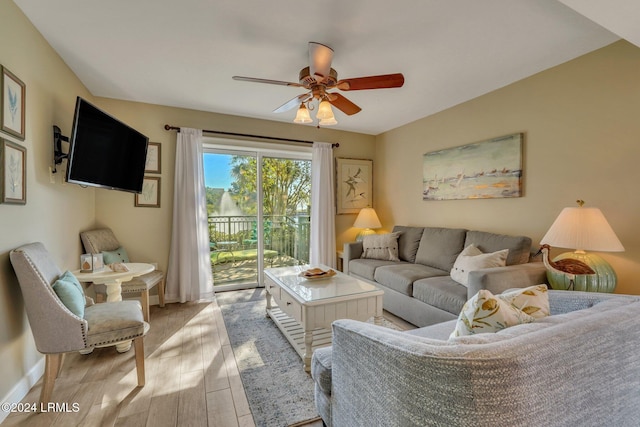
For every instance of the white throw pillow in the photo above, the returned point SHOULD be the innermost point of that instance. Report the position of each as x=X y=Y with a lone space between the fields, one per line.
x=381 y=246
x=533 y=300
x=472 y=258
x=485 y=312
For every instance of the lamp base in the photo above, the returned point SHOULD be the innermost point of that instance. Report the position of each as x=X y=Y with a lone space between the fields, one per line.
x=604 y=280
x=365 y=232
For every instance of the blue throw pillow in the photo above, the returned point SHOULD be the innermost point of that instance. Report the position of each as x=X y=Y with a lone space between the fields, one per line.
x=119 y=255
x=71 y=293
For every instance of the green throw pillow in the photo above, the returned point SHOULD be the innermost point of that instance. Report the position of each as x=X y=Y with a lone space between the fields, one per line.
x=119 y=255
x=71 y=293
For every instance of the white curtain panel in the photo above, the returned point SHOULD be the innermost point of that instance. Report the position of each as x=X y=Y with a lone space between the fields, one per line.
x=189 y=275
x=323 y=229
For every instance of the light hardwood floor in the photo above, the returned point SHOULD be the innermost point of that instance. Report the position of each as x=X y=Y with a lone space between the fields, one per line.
x=191 y=378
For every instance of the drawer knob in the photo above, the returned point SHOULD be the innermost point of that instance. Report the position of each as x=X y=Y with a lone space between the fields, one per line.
x=288 y=303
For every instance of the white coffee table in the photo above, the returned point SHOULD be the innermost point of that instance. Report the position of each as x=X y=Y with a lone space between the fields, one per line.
x=306 y=308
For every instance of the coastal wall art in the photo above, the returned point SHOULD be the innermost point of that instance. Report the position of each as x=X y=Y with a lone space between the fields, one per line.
x=354 y=186
x=482 y=170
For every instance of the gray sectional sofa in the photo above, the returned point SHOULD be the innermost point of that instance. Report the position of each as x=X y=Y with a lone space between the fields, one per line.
x=578 y=367
x=419 y=289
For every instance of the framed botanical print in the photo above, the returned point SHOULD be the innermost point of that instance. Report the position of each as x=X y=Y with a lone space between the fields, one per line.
x=12 y=91
x=150 y=195
x=354 y=185
x=13 y=173
x=153 y=162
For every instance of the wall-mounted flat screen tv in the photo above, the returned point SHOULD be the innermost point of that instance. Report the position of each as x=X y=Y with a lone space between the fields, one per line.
x=104 y=152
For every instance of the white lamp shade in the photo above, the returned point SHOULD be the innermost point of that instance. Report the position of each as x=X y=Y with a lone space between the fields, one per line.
x=324 y=111
x=367 y=218
x=582 y=229
x=302 y=116
x=328 y=122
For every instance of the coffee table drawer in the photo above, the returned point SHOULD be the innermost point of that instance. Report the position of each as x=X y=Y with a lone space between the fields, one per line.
x=273 y=289
x=290 y=306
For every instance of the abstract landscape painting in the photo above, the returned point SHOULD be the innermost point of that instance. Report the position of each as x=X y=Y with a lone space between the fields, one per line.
x=482 y=170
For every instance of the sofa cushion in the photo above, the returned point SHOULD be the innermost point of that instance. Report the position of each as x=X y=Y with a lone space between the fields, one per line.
x=408 y=242
x=439 y=247
x=472 y=258
x=438 y=331
x=400 y=277
x=485 y=312
x=367 y=267
x=519 y=246
x=533 y=300
x=441 y=292
x=381 y=246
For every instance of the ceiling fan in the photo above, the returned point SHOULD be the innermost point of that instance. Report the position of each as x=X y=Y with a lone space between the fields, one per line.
x=318 y=78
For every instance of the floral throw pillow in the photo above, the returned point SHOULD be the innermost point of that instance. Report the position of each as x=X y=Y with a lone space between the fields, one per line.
x=472 y=258
x=485 y=312
x=381 y=246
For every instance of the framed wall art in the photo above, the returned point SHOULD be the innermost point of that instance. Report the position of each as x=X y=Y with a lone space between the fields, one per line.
x=13 y=173
x=354 y=185
x=12 y=91
x=150 y=195
x=483 y=170
x=153 y=162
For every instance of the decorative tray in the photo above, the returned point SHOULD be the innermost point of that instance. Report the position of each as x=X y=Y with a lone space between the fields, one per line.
x=317 y=274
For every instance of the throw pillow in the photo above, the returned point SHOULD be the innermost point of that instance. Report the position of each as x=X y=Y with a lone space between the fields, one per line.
x=71 y=293
x=533 y=300
x=485 y=312
x=119 y=255
x=381 y=246
x=472 y=258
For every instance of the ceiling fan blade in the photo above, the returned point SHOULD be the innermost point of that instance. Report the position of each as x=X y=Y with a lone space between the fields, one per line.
x=320 y=57
x=384 y=81
x=343 y=104
x=293 y=103
x=271 y=82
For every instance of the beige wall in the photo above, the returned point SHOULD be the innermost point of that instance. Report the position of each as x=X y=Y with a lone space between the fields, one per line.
x=582 y=140
x=54 y=213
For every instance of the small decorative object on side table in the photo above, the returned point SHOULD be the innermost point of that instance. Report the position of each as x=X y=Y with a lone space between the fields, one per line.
x=90 y=263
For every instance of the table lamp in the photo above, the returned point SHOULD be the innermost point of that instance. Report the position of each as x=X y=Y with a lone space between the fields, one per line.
x=367 y=220
x=583 y=229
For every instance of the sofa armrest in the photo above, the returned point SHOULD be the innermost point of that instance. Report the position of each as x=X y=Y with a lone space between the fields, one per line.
x=382 y=377
x=498 y=279
x=352 y=250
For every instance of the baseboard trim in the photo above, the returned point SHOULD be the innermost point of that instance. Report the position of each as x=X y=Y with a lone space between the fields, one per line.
x=22 y=387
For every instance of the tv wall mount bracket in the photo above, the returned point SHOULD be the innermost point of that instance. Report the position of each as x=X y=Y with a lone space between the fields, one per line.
x=58 y=155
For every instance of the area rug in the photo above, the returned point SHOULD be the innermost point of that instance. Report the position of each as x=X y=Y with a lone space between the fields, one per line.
x=279 y=392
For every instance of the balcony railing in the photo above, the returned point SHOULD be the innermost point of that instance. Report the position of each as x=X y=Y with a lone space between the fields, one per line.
x=234 y=241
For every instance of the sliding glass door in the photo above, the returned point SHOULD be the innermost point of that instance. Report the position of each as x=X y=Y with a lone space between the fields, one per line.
x=258 y=208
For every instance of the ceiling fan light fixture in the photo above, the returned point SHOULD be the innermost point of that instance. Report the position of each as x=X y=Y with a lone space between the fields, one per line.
x=324 y=111
x=302 y=116
x=328 y=122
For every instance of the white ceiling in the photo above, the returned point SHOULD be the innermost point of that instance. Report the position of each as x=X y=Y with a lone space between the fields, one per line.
x=184 y=53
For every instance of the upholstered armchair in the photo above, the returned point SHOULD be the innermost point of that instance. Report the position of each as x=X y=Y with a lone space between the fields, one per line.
x=104 y=241
x=63 y=320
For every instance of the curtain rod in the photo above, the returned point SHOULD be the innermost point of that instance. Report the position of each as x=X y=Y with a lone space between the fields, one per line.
x=168 y=127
